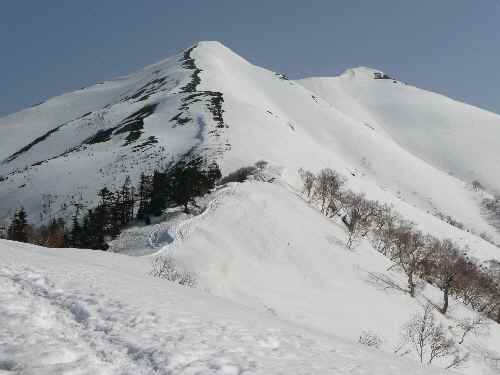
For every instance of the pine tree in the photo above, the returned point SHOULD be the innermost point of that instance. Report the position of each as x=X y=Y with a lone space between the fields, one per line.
x=158 y=194
x=189 y=181
x=75 y=235
x=19 y=228
x=144 y=194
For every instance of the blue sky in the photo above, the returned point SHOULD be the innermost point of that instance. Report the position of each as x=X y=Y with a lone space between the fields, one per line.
x=448 y=46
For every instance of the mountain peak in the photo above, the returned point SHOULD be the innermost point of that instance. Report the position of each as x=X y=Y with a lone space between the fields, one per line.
x=364 y=72
x=210 y=43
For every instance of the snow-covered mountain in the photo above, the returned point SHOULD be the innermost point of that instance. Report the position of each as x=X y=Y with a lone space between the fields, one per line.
x=396 y=142
x=258 y=244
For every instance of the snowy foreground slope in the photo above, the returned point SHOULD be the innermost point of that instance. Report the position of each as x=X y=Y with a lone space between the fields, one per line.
x=86 y=312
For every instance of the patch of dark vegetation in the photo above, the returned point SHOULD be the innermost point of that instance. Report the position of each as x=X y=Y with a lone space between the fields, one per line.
x=190 y=99
x=32 y=144
x=448 y=219
x=85 y=115
x=134 y=123
x=180 y=120
x=214 y=101
x=189 y=63
x=215 y=107
x=150 y=141
x=239 y=175
x=491 y=209
x=3 y=178
x=38 y=163
x=132 y=137
x=147 y=90
x=99 y=137
x=136 y=120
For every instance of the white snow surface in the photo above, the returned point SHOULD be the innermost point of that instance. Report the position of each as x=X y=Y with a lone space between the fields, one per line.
x=67 y=311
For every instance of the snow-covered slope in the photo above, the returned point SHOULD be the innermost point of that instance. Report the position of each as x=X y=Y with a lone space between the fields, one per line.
x=457 y=138
x=86 y=312
x=264 y=246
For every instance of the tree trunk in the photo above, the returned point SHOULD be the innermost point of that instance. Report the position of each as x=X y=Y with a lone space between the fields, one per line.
x=445 y=301
x=411 y=285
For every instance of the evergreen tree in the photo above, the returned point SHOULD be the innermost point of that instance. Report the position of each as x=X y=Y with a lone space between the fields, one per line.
x=189 y=181
x=144 y=195
x=19 y=228
x=125 y=203
x=75 y=236
x=158 y=194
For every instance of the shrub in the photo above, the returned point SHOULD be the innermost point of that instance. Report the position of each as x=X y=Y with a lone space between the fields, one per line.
x=308 y=179
x=239 y=175
x=427 y=337
x=164 y=267
x=261 y=164
x=370 y=339
x=477 y=186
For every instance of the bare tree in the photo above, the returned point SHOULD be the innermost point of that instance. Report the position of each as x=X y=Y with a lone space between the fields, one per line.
x=410 y=253
x=427 y=338
x=308 y=179
x=479 y=287
x=359 y=217
x=384 y=229
x=321 y=187
x=443 y=266
x=477 y=325
x=336 y=194
x=327 y=188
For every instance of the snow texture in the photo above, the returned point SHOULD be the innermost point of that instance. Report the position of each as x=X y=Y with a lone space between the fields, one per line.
x=87 y=312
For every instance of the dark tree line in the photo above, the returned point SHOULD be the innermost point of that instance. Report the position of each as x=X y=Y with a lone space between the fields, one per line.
x=114 y=211
x=441 y=263
x=179 y=186
x=94 y=227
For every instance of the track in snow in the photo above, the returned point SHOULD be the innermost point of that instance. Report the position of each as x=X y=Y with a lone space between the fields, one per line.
x=48 y=330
